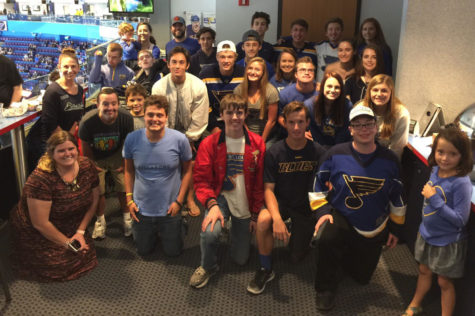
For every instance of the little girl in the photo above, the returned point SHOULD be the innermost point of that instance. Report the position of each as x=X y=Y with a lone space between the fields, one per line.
x=442 y=240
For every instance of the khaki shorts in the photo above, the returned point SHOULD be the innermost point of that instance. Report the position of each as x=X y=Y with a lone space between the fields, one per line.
x=110 y=164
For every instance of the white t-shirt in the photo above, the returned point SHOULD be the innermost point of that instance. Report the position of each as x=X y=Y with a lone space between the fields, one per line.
x=234 y=188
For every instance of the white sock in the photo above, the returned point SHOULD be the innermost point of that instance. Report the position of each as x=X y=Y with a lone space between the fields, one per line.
x=101 y=219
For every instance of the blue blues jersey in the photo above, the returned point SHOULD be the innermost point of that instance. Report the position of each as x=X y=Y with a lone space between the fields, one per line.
x=365 y=189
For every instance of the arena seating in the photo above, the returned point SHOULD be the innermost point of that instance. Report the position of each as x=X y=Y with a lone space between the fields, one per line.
x=37 y=57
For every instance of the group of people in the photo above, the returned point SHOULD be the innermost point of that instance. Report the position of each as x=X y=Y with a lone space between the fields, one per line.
x=255 y=150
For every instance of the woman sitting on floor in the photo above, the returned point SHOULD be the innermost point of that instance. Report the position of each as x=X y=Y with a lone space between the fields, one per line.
x=49 y=223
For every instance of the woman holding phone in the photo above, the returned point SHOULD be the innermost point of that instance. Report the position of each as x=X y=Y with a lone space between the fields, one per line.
x=49 y=239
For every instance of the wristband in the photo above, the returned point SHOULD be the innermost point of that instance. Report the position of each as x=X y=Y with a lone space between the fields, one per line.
x=212 y=202
x=179 y=204
x=129 y=194
x=80 y=231
x=130 y=202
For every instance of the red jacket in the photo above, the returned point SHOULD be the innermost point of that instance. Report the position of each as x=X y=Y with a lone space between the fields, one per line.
x=210 y=169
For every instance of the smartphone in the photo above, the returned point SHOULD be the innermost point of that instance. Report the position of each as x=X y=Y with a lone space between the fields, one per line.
x=75 y=245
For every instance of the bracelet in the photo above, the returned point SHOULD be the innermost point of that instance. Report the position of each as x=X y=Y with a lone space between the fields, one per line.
x=129 y=194
x=130 y=202
x=179 y=204
x=213 y=204
x=80 y=231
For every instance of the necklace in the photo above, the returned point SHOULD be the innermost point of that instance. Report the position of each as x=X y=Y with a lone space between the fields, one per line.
x=73 y=185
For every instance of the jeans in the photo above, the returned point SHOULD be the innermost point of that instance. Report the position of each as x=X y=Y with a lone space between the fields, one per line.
x=145 y=234
x=239 y=234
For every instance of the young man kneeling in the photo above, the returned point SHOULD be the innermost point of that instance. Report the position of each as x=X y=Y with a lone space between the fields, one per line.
x=289 y=168
x=228 y=182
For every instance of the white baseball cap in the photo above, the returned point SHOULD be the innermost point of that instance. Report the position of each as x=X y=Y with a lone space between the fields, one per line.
x=359 y=110
x=226 y=45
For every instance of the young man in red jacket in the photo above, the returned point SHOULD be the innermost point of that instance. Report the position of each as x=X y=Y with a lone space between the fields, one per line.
x=228 y=182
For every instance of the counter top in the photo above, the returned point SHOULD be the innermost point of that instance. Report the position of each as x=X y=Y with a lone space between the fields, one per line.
x=9 y=123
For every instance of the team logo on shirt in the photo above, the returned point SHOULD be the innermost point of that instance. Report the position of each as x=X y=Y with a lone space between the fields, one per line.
x=360 y=186
x=234 y=168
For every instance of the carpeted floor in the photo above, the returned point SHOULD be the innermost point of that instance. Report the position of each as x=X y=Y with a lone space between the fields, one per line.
x=126 y=284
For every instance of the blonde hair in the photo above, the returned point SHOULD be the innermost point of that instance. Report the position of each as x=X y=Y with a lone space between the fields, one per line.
x=115 y=47
x=394 y=104
x=125 y=27
x=46 y=162
x=262 y=85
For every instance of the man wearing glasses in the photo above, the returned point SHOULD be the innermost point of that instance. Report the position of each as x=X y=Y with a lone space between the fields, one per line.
x=102 y=132
x=303 y=89
x=359 y=206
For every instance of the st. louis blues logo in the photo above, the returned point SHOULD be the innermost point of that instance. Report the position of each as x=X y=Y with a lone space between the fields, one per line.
x=360 y=186
x=233 y=169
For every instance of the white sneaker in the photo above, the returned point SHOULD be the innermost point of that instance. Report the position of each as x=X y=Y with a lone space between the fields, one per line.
x=127 y=227
x=201 y=277
x=99 y=230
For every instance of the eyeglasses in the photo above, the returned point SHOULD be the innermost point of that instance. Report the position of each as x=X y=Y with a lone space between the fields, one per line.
x=361 y=126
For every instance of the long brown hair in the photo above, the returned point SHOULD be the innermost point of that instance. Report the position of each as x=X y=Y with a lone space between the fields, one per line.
x=337 y=110
x=279 y=74
x=262 y=85
x=394 y=104
x=359 y=69
x=46 y=162
x=379 y=37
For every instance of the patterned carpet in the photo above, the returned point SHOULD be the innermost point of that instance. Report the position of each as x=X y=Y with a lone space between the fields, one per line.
x=126 y=284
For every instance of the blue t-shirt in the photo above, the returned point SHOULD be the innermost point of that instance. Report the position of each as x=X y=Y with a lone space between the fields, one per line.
x=290 y=93
x=279 y=85
x=157 y=169
x=190 y=44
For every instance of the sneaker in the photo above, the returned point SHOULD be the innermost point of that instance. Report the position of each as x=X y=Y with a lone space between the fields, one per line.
x=99 y=231
x=128 y=227
x=201 y=277
x=325 y=300
x=258 y=284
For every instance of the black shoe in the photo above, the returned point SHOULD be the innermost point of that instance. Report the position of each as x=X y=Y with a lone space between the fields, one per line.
x=258 y=284
x=325 y=300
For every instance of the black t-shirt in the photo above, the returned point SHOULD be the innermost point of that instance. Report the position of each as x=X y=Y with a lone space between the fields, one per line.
x=158 y=69
x=355 y=88
x=105 y=140
x=200 y=60
x=292 y=172
x=9 y=78
x=60 y=109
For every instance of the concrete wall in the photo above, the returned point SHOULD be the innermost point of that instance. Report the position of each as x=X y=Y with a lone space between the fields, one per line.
x=232 y=20
x=160 y=21
x=436 y=56
x=389 y=14
x=179 y=7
